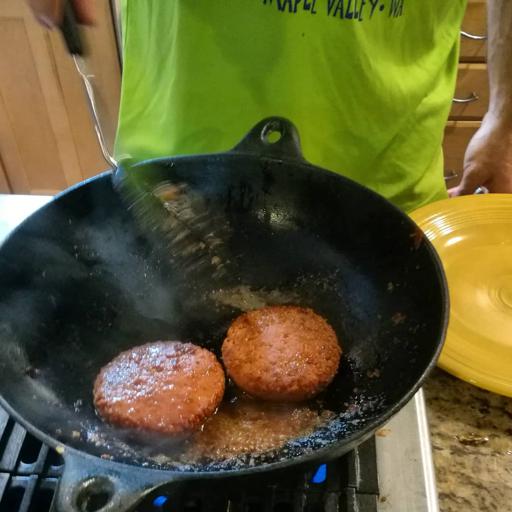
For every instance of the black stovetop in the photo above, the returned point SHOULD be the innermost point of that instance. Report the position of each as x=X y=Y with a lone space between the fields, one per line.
x=29 y=474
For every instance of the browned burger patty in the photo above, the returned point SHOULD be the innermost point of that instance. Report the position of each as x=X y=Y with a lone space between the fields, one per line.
x=166 y=386
x=282 y=353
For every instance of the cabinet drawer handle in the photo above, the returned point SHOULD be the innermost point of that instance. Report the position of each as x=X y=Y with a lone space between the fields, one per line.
x=474 y=37
x=450 y=175
x=470 y=99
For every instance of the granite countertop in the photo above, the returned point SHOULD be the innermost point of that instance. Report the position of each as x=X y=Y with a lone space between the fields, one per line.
x=471 y=433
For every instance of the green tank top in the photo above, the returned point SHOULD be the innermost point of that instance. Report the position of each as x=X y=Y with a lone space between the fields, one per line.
x=368 y=83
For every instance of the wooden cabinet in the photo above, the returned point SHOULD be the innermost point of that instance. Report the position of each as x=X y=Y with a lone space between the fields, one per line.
x=4 y=183
x=471 y=98
x=47 y=141
x=473 y=47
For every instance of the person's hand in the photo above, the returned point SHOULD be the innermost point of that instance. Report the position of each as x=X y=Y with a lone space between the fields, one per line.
x=488 y=159
x=49 y=12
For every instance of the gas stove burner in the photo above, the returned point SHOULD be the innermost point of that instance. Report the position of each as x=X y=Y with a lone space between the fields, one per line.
x=397 y=462
x=347 y=484
x=29 y=475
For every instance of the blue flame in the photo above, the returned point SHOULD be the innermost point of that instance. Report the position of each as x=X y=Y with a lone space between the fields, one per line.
x=160 y=501
x=320 y=474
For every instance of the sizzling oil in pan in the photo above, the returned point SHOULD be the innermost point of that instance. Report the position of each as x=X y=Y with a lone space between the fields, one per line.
x=246 y=432
x=243 y=430
x=243 y=425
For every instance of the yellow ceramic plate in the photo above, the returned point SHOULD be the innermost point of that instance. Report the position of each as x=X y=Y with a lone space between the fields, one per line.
x=473 y=236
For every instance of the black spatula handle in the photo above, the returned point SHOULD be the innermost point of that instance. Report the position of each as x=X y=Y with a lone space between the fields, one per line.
x=70 y=30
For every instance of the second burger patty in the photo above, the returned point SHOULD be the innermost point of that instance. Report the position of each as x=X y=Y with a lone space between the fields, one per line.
x=281 y=353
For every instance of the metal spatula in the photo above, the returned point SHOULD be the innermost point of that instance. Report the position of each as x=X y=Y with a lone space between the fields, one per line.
x=171 y=215
x=75 y=44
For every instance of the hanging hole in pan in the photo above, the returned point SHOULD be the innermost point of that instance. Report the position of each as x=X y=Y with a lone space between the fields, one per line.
x=272 y=133
x=94 y=494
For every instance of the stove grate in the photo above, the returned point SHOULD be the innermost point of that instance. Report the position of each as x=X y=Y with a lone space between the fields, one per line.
x=30 y=470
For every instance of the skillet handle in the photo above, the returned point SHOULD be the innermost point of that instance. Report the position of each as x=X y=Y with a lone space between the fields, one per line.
x=89 y=483
x=274 y=137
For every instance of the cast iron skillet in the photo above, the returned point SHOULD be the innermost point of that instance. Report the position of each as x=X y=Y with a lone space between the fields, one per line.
x=81 y=281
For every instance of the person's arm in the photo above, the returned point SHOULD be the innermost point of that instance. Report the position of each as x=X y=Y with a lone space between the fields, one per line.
x=488 y=159
x=49 y=12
